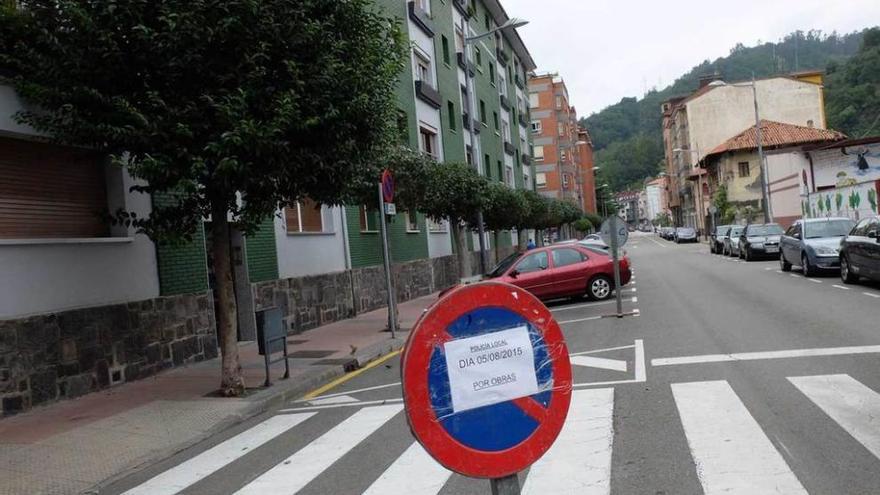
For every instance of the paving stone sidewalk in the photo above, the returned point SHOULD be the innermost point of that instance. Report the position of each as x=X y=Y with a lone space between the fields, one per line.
x=77 y=446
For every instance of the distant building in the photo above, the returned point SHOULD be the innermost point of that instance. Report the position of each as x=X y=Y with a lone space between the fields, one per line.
x=655 y=195
x=628 y=206
x=562 y=153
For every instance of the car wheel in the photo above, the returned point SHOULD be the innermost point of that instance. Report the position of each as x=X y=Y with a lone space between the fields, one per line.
x=599 y=288
x=785 y=265
x=712 y=248
x=809 y=271
x=846 y=274
x=748 y=255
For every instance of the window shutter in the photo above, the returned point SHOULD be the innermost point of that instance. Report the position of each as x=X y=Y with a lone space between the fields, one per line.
x=311 y=216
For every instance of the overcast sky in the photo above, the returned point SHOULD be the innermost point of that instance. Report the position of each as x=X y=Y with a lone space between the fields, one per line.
x=608 y=49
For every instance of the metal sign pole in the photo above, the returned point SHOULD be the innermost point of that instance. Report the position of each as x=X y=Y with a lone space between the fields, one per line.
x=508 y=485
x=392 y=312
x=616 y=259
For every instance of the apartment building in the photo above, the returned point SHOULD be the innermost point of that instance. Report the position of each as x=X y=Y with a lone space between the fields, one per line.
x=93 y=305
x=695 y=124
x=562 y=151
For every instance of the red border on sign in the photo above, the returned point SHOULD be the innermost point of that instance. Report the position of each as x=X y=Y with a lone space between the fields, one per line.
x=387 y=191
x=430 y=331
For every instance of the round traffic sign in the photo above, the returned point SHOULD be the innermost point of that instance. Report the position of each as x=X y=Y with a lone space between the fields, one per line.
x=606 y=230
x=387 y=186
x=486 y=380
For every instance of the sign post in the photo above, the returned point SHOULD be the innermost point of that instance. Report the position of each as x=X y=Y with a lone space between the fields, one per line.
x=486 y=382
x=615 y=235
x=386 y=195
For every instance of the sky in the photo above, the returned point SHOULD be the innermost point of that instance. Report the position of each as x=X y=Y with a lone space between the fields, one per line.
x=609 y=49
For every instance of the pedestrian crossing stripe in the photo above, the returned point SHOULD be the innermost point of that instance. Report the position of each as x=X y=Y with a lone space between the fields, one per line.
x=730 y=450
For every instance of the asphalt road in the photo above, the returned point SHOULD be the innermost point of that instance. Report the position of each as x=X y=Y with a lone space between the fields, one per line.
x=727 y=376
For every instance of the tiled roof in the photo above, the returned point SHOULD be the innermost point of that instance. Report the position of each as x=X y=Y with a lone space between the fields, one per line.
x=776 y=135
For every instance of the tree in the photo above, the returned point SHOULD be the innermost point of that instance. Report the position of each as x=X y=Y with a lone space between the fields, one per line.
x=233 y=107
x=594 y=219
x=663 y=220
x=582 y=225
x=505 y=209
x=726 y=210
x=457 y=192
x=853 y=90
x=538 y=208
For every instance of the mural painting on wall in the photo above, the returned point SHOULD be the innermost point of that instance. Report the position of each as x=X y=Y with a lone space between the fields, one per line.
x=848 y=166
x=852 y=201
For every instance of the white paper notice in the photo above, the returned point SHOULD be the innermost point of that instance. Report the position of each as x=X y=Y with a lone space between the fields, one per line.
x=491 y=368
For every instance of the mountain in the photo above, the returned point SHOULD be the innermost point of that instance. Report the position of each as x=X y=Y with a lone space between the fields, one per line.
x=852 y=90
x=627 y=136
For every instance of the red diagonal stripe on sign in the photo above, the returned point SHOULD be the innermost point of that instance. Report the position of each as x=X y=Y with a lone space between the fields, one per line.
x=532 y=408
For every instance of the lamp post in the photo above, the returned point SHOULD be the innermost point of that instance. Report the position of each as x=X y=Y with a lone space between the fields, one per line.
x=475 y=154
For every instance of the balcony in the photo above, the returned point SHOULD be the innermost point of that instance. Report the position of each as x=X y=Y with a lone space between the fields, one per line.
x=466 y=121
x=465 y=65
x=509 y=148
x=523 y=119
x=502 y=56
x=421 y=18
x=428 y=94
x=461 y=7
x=505 y=103
x=519 y=82
x=526 y=159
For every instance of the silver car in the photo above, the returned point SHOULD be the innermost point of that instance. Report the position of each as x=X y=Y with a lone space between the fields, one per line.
x=685 y=234
x=813 y=244
x=731 y=242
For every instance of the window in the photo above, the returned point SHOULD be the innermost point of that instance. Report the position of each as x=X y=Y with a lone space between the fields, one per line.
x=303 y=216
x=560 y=128
x=744 y=169
x=483 y=112
x=445 y=42
x=565 y=257
x=563 y=155
x=519 y=105
x=505 y=130
x=428 y=141
x=369 y=219
x=425 y=5
x=435 y=226
x=508 y=178
x=502 y=84
x=451 y=115
x=565 y=181
x=478 y=56
x=861 y=229
x=558 y=101
x=533 y=263
x=500 y=171
x=488 y=21
x=491 y=73
x=487 y=162
x=526 y=181
x=538 y=152
x=541 y=179
x=874 y=227
x=469 y=155
x=459 y=40
x=534 y=100
x=412 y=221
x=537 y=127
x=423 y=68
x=495 y=120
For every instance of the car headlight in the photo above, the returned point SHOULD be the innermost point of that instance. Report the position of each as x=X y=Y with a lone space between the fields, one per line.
x=826 y=250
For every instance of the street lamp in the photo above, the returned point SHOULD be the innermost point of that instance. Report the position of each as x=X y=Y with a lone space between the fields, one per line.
x=764 y=193
x=511 y=23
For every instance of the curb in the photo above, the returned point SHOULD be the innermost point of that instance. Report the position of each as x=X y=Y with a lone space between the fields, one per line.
x=262 y=402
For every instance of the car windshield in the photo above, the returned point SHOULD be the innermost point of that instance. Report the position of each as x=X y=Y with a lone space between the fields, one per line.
x=736 y=231
x=722 y=230
x=686 y=231
x=828 y=228
x=503 y=265
x=761 y=230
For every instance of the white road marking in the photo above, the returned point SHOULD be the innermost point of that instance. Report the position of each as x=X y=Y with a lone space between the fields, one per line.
x=580 y=459
x=339 y=399
x=752 y=356
x=814 y=280
x=851 y=404
x=840 y=287
x=635 y=299
x=731 y=452
x=415 y=472
x=580 y=320
x=779 y=272
x=793 y=275
x=640 y=361
x=597 y=351
x=585 y=305
x=210 y=461
x=657 y=243
x=298 y=470
x=601 y=363
x=871 y=294
x=633 y=289
x=768 y=268
x=355 y=391
x=380 y=402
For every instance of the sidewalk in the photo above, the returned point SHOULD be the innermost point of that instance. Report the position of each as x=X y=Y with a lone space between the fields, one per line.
x=75 y=446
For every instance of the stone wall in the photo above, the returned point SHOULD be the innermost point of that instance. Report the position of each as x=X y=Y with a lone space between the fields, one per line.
x=67 y=354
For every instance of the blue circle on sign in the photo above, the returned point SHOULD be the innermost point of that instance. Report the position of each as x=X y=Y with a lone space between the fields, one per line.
x=498 y=426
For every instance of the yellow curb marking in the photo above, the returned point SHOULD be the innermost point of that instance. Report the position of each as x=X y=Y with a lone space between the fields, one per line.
x=344 y=378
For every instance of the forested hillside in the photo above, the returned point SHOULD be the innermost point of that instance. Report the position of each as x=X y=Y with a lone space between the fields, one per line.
x=627 y=135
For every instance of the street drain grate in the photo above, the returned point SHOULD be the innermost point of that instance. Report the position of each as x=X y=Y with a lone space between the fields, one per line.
x=310 y=354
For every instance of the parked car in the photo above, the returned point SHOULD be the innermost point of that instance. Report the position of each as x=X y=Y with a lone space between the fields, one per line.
x=595 y=243
x=731 y=241
x=562 y=271
x=813 y=244
x=760 y=240
x=860 y=252
x=716 y=240
x=685 y=234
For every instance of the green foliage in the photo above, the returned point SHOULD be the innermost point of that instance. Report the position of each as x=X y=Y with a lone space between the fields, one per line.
x=663 y=220
x=853 y=89
x=582 y=225
x=411 y=170
x=620 y=127
x=726 y=210
x=594 y=219
x=269 y=101
x=872 y=198
x=569 y=212
x=538 y=211
x=838 y=200
x=505 y=208
x=456 y=192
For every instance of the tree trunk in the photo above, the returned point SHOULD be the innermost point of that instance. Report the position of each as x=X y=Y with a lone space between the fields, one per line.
x=539 y=237
x=231 y=378
x=465 y=268
x=522 y=238
x=495 y=236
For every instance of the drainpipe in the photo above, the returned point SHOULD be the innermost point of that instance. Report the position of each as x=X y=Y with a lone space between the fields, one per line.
x=344 y=224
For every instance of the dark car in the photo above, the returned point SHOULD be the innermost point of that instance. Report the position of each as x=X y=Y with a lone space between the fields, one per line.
x=760 y=240
x=716 y=240
x=860 y=252
x=562 y=271
x=685 y=234
x=813 y=244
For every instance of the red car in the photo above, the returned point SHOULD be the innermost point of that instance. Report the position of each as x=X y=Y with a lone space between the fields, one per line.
x=562 y=271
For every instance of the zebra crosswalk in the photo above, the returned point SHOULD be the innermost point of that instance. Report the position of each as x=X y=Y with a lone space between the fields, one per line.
x=729 y=450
